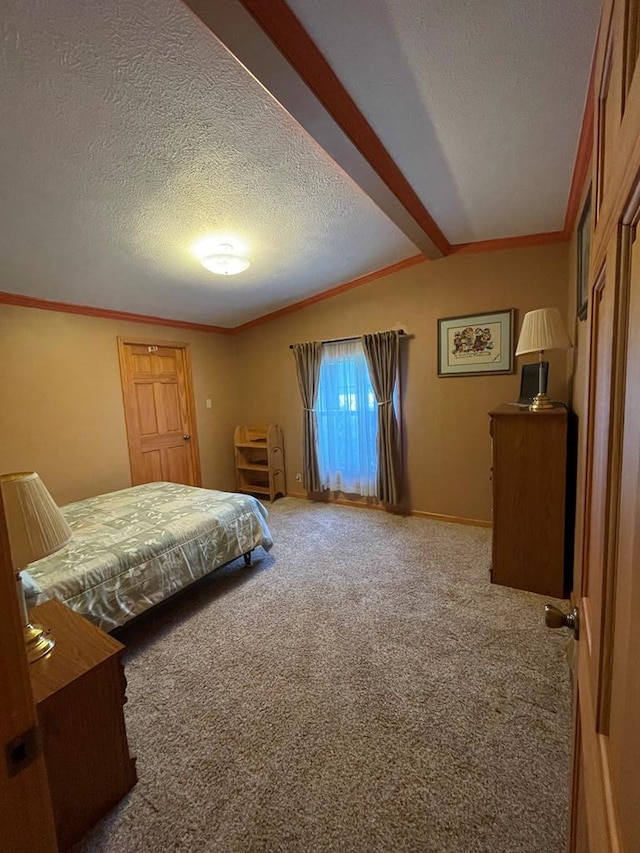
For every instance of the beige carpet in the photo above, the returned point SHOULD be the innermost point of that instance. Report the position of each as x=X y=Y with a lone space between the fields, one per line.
x=362 y=688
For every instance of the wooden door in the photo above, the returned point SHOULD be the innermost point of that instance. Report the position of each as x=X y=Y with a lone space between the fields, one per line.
x=26 y=820
x=606 y=789
x=159 y=412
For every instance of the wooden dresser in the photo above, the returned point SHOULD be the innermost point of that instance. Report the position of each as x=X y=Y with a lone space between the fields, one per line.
x=79 y=691
x=530 y=499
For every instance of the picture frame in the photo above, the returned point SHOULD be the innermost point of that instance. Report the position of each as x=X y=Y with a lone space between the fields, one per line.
x=583 y=243
x=476 y=344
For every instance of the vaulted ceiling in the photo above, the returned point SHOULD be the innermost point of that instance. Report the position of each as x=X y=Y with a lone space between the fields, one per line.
x=325 y=140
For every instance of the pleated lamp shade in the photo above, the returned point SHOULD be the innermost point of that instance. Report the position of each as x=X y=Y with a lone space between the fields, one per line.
x=35 y=524
x=542 y=329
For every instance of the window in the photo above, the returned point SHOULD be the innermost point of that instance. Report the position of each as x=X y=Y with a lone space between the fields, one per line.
x=347 y=414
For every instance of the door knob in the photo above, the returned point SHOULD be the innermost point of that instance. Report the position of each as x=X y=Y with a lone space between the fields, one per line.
x=555 y=618
x=186 y=437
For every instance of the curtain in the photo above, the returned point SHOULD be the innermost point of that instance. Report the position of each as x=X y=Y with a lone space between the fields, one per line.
x=308 y=357
x=347 y=420
x=382 y=352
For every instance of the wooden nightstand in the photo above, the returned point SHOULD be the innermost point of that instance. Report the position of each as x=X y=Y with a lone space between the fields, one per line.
x=79 y=691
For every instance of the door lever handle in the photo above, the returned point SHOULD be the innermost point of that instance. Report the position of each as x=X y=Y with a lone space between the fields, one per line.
x=555 y=618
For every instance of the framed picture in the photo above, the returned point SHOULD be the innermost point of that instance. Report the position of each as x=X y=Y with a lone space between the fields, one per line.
x=477 y=344
x=584 y=233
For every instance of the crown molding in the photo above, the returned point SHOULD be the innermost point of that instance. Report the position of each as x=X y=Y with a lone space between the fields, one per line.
x=521 y=242
x=583 y=158
x=106 y=313
x=329 y=294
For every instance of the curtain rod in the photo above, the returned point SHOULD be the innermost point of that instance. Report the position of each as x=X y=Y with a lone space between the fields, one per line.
x=401 y=332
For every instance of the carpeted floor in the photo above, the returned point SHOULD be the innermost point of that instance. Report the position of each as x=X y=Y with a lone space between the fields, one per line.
x=361 y=688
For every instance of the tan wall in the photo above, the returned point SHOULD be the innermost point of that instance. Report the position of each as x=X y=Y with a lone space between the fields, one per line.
x=61 y=406
x=61 y=410
x=445 y=419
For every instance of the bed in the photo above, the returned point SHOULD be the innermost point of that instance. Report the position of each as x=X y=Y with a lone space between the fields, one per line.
x=133 y=548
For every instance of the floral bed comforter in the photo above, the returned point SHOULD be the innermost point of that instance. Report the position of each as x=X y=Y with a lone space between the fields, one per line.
x=133 y=548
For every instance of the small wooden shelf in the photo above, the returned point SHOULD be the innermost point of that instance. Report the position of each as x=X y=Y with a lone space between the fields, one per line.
x=259 y=460
x=258 y=490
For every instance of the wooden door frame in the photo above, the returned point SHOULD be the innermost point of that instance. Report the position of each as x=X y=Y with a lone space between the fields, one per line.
x=126 y=340
x=591 y=701
x=591 y=717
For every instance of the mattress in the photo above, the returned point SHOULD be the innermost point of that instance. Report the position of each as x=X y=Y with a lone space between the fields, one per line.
x=133 y=548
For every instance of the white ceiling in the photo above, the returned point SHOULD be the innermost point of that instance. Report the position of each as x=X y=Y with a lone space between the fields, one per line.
x=129 y=131
x=479 y=103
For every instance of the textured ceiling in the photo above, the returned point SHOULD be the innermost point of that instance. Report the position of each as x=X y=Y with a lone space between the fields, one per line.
x=128 y=132
x=479 y=103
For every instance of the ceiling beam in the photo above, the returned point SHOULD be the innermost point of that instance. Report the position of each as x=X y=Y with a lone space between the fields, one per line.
x=269 y=41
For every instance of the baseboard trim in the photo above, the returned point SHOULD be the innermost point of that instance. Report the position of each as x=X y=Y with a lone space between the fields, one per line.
x=452 y=519
x=296 y=495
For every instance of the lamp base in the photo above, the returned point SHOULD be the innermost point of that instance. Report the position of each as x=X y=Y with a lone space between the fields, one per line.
x=541 y=402
x=38 y=642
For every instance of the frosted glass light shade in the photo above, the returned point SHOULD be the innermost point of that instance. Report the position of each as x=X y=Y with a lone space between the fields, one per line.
x=225 y=264
x=220 y=257
x=35 y=524
x=542 y=329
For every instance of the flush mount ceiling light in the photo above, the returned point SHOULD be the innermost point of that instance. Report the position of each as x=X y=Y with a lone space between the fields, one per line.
x=221 y=259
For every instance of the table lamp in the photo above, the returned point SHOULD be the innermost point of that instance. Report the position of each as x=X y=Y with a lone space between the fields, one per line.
x=36 y=528
x=542 y=329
